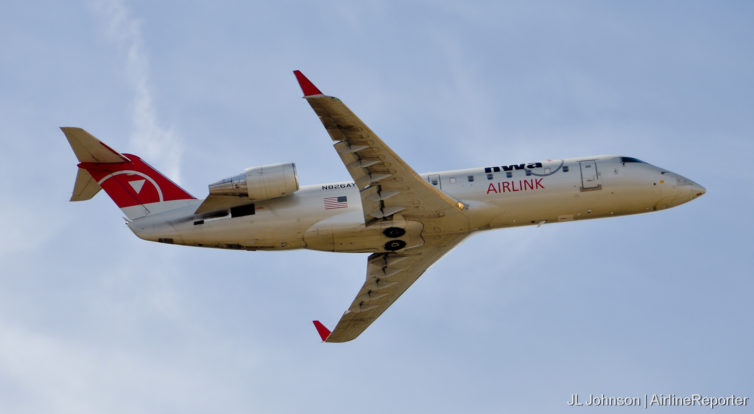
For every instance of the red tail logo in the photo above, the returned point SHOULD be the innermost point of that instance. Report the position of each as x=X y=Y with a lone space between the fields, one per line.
x=135 y=182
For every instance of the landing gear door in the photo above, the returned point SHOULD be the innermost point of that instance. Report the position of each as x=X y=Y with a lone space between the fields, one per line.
x=589 y=177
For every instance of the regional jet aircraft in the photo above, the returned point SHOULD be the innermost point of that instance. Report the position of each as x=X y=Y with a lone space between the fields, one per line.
x=406 y=220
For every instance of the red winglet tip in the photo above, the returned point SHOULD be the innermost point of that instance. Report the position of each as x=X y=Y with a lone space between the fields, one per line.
x=322 y=330
x=306 y=85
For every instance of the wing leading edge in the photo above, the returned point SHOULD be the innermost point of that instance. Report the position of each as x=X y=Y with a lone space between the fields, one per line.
x=387 y=184
x=388 y=187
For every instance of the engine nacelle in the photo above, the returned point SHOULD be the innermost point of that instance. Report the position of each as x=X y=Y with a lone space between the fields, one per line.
x=259 y=183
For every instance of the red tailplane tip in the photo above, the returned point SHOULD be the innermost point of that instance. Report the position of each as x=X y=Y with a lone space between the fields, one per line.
x=322 y=330
x=306 y=85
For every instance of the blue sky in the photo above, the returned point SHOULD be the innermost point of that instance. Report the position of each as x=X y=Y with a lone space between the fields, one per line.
x=93 y=319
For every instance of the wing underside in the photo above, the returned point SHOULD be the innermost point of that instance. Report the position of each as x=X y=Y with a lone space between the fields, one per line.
x=387 y=184
x=388 y=276
x=389 y=188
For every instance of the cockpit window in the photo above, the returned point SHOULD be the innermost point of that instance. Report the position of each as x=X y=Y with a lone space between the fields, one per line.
x=630 y=159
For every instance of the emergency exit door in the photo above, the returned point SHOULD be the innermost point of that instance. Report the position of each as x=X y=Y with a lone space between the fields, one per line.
x=589 y=176
x=434 y=179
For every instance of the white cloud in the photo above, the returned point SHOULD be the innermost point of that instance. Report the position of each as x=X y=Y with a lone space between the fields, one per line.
x=43 y=371
x=94 y=320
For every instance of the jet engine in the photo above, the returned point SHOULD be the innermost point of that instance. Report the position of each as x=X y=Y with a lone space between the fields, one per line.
x=259 y=183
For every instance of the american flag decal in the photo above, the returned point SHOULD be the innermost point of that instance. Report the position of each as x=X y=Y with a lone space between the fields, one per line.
x=335 y=202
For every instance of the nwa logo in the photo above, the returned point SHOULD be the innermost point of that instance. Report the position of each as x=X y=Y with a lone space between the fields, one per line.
x=512 y=167
x=137 y=185
x=129 y=187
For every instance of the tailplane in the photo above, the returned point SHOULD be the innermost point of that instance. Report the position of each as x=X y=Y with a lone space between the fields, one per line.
x=134 y=186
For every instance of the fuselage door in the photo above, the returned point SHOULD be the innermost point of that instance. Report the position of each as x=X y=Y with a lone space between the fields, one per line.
x=434 y=179
x=589 y=178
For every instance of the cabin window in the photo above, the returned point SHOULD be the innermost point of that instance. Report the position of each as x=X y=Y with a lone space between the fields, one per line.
x=241 y=211
x=489 y=176
x=470 y=178
x=509 y=174
x=452 y=180
x=565 y=168
x=528 y=173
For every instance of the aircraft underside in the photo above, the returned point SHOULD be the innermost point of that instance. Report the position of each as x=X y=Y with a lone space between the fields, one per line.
x=405 y=220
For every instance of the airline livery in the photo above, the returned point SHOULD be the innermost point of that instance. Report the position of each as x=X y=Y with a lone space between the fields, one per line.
x=406 y=220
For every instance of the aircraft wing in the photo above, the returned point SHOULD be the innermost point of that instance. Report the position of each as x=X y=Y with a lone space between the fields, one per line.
x=388 y=276
x=387 y=184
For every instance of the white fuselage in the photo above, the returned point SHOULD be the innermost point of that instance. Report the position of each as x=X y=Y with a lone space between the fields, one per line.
x=525 y=194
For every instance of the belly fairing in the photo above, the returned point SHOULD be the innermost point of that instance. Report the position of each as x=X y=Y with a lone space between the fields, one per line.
x=347 y=233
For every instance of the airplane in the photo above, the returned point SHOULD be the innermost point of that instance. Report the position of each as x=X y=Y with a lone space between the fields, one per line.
x=406 y=220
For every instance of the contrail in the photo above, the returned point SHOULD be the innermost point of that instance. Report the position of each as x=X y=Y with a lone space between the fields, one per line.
x=154 y=142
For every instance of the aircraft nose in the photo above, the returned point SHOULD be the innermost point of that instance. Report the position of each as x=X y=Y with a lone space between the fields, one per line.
x=690 y=187
x=698 y=190
x=688 y=190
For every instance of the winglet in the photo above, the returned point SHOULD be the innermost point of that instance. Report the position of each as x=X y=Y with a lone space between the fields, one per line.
x=322 y=330
x=306 y=85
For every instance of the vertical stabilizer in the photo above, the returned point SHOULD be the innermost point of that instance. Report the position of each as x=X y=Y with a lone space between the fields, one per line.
x=134 y=186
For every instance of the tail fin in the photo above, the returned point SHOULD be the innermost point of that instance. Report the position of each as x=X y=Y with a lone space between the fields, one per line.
x=136 y=187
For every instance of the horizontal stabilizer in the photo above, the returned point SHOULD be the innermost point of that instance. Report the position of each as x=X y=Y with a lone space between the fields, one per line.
x=86 y=187
x=89 y=149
